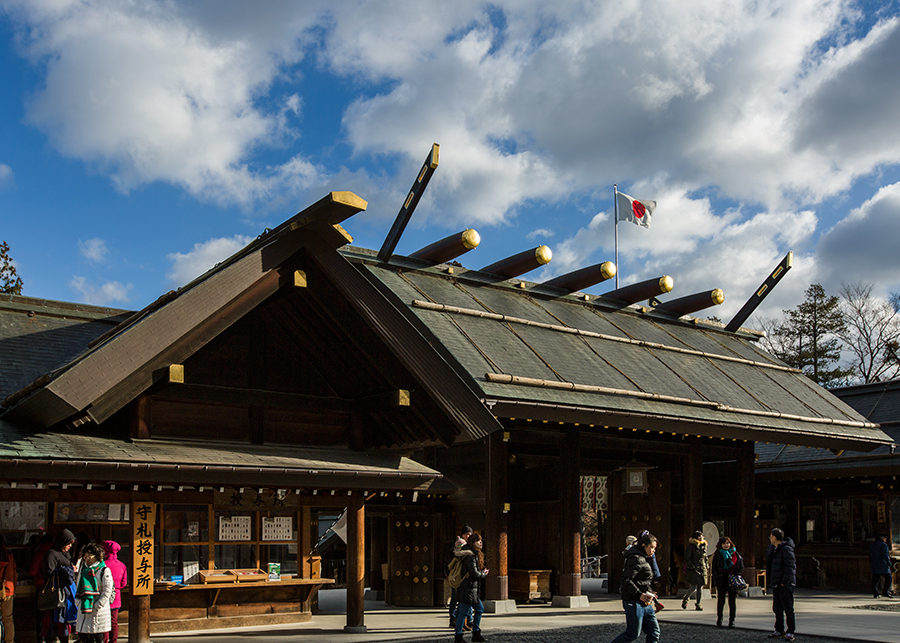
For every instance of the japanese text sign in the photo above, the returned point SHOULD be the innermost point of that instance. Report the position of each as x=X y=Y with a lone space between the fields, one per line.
x=142 y=547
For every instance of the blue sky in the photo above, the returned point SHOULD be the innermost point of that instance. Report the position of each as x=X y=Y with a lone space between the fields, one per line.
x=142 y=142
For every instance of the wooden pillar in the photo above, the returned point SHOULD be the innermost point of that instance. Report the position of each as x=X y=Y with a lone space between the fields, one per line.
x=570 y=514
x=693 y=488
x=139 y=619
x=356 y=563
x=496 y=543
x=745 y=539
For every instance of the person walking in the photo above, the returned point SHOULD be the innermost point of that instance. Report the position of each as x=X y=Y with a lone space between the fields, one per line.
x=120 y=580
x=470 y=590
x=880 y=561
x=637 y=593
x=93 y=596
x=458 y=545
x=7 y=591
x=781 y=570
x=697 y=569
x=726 y=562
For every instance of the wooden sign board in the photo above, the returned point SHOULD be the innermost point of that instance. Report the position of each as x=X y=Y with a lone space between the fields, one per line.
x=144 y=520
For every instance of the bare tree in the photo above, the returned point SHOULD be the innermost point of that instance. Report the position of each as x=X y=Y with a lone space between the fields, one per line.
x=872 y=333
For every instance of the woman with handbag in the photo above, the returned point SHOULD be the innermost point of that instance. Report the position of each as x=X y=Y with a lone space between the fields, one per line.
x=727 y=567
x=59 y=572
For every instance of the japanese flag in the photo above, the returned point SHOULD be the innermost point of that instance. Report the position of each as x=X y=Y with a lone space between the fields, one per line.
x=635 y=210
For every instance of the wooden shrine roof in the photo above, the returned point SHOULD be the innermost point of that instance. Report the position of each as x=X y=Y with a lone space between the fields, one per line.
x=535 y=352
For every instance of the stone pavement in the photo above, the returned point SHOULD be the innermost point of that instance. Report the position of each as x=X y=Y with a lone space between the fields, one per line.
x=819 y=614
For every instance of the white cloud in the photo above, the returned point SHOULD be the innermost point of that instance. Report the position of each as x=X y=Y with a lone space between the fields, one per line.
x=543 y=233
x=93 y=250
x=202 y=257
x=7 y=178
x=103 y=294
x=149 y=93
x=863 y=247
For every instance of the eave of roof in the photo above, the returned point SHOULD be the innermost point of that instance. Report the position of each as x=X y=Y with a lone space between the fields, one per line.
x=46 y=455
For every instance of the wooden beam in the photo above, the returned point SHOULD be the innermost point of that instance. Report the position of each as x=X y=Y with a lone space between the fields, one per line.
x=412 y=200
x=276 y=399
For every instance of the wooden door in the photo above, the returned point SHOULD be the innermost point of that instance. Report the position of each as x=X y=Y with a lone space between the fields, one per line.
x=411 y=559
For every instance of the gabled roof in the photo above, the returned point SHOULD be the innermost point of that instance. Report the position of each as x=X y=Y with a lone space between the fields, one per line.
x=532 y=351
x=128 y=360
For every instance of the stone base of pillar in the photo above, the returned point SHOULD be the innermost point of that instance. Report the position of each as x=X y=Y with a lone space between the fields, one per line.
x=507 y=606
x=753 y=591
x=570 y=601
x=374 y=595
x=356 y=629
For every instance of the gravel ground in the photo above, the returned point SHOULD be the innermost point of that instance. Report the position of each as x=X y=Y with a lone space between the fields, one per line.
x=670 y=633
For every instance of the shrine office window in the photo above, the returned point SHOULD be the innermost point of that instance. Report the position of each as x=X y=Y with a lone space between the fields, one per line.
x=838 y=530
x=865 y=519
x=812 y=523
x=183 y=542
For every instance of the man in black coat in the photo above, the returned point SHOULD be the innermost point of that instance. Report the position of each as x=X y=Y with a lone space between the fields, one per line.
x=781 y=570
x=637 y=592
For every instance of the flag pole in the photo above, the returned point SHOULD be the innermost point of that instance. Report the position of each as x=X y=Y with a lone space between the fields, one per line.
x=616 y=225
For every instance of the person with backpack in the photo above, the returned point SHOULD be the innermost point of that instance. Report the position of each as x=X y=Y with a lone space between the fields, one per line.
x=697 y=567
x=637 y=593
x=94 y=594
x=458 y=545
x=470 y=590
x=120 y=580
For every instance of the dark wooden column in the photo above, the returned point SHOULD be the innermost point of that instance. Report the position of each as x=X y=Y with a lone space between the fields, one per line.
x=693 y=488
x=495 y=546
x=745 y=539
x=139 y=619
x=356 y=563
x=570 y=514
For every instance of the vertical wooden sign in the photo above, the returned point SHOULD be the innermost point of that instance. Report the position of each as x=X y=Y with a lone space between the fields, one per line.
x=144 y=519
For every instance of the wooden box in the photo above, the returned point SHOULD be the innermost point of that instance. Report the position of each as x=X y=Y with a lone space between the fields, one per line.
x=216 y=576
x=247 y=575
x=529 y=584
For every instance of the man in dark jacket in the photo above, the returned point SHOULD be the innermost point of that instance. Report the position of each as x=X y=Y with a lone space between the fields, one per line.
x=781 y=570
x=637 y=592
x=880 y=560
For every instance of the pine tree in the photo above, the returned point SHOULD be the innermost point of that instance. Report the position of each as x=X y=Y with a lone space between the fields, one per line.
x=10 y=282
x=809 y=338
